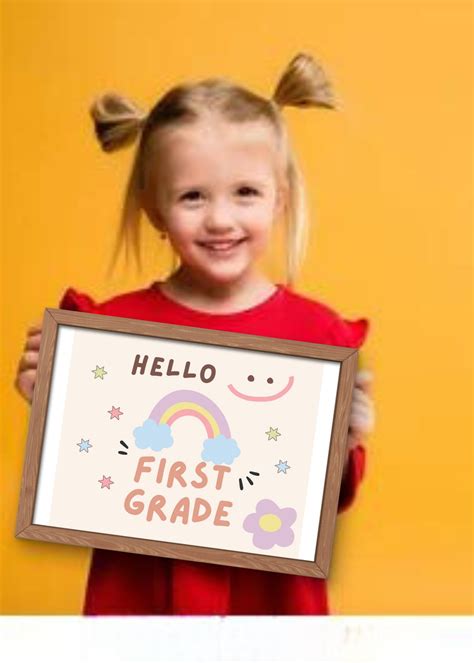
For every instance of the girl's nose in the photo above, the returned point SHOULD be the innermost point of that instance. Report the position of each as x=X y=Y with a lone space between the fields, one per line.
x=219 y=217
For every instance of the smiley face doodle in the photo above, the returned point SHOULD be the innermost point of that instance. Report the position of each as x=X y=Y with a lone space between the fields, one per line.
x=270 y=397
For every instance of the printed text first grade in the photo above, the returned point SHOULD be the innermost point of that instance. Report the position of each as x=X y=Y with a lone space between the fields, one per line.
x=198 y=508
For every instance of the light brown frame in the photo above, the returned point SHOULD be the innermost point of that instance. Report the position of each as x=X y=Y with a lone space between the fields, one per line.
x=346 y=356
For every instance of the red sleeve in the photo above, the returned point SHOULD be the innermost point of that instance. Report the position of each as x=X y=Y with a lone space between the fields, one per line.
x=352 y=334
x=355 y=474
x=72 y=300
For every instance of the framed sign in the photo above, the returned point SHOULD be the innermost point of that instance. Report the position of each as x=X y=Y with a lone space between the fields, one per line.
x=185 y=442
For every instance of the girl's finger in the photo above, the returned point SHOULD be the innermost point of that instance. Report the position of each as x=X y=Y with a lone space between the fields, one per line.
x=359 y=396
x=360 y=426
x=35 y=328
x=358 y=393
x=362 y=404
x=33 y=342
x=359 y=408
x=25 y=383
x=364 y=379
x=28 y=360
x=363 y=410
x=362 y=421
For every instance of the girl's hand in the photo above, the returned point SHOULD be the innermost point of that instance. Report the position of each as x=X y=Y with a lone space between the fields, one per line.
x=27 y=366
x=362 y=416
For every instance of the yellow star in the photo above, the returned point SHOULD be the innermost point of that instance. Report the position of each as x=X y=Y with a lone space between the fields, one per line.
x=272 y=433
x=99 y=372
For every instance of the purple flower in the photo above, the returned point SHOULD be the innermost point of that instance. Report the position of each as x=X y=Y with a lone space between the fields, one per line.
x=270 y=525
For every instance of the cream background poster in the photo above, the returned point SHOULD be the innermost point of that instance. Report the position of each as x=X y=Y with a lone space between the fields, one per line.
x=186 y=443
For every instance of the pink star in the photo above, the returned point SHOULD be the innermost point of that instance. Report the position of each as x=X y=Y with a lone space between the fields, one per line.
x=106 y=482
x=115 y=412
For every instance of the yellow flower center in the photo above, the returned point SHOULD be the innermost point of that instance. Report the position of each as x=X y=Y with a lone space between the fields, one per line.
x=270 y=522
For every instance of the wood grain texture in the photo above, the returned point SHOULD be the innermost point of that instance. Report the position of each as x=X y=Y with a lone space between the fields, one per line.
x=26 y=529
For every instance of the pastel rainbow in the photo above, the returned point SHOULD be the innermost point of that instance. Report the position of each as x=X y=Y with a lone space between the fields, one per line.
x=186 y=402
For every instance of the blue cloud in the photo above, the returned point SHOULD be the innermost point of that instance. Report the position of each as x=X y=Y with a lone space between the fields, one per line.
x=153 y=436
x=220 y=450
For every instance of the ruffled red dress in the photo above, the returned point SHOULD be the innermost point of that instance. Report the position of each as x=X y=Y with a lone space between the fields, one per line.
x=122 y=583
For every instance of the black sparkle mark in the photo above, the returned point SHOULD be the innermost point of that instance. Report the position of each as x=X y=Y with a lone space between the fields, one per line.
x=255 y=474
x=123 y=453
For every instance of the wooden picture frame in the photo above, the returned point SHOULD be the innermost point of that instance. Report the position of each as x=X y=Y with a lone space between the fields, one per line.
x=60 y=485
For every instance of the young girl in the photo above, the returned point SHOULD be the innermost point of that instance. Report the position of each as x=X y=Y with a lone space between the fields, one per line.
x=214 y=173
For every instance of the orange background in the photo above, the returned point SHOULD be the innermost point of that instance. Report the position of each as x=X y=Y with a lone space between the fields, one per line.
x=389 y=180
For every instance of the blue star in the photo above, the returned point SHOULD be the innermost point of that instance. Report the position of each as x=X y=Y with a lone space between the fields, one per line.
x=84 y=445
x=282 y=466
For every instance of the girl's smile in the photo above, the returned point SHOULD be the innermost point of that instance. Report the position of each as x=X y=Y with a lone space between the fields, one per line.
x=222 y=247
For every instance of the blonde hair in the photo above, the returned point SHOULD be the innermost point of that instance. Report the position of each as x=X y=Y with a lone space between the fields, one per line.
x=119 y=121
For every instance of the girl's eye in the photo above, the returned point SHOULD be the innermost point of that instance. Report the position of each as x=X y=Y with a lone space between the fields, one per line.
x=248 y=190
x=191 y=195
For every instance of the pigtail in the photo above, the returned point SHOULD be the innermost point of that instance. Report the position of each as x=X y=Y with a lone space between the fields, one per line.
x=117 y=120
x=304 y=83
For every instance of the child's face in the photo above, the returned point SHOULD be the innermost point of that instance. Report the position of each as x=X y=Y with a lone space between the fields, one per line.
x=213 y=186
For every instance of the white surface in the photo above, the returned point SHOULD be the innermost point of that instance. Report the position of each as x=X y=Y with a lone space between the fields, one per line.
x=319 y=460
x=54 y=422
x=323 y=639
